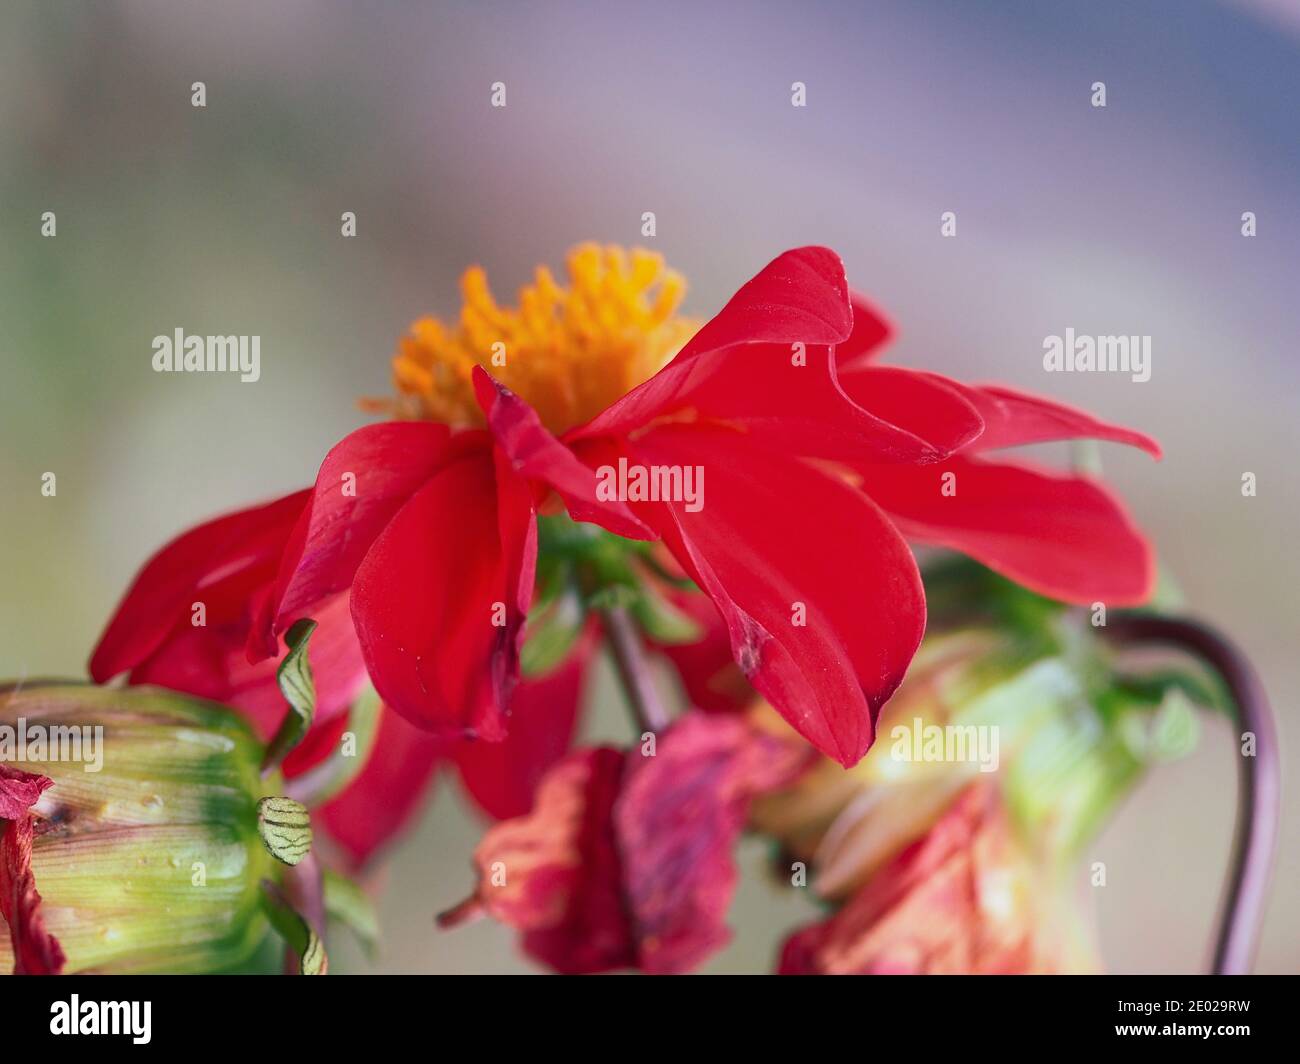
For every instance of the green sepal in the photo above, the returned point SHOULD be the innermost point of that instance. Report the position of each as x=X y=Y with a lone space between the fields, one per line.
x=346 y=903
x=300 y=936
x=285 y=827
x=299 y=690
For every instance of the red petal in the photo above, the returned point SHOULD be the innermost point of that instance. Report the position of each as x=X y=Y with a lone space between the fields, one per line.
x=1012 y=418
x=561 y=882
x=427 y=595
x=923 y=404
x=217 y=563
x=210 y=662
x=387 y=463
x=388 y=790
x=872 y=331
x=774 y=533
x=36 y=951
x=537 y=455
x=799 y=297
x=678 y=819
x=710 y=675
x=503 y=777
x=1062 y=536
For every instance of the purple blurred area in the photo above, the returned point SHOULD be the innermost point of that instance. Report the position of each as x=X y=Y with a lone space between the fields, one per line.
x=1122 y=220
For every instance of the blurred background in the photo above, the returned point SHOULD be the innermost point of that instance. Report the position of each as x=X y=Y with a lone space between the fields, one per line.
x=226 y=219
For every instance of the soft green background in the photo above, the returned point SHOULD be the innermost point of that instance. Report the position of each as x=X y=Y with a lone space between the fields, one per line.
x=226 y=220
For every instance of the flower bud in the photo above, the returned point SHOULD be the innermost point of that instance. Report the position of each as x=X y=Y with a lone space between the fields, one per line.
x=145 y=849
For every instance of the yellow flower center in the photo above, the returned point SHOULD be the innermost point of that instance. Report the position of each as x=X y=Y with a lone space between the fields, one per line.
x=568 y=351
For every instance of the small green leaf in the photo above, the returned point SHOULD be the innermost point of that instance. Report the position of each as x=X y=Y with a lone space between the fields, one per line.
x=295 y=930
x=552 y=630
x=295 y=680
x=285 y=827
x=662 y=621
x=348 y=904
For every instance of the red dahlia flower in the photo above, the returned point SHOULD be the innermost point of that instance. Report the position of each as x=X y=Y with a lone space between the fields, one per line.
x=818 y=462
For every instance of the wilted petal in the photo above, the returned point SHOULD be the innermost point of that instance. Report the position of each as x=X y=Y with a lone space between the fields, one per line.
x=678 y=820
x=36 y=951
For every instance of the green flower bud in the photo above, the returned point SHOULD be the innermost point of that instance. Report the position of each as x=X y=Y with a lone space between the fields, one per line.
x=146 y=852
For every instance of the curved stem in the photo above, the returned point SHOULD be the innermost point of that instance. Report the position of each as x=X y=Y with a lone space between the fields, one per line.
x=633 y=670
x=1255 y=834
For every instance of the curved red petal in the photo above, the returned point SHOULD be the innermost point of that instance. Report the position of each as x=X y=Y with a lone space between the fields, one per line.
x=438 y=602
x=537 y=455
x=1012 y=418
x=821 y=595
x=1063 y=536
x=872 y=332
x=363 y=481
x=799 y=297
x=923 y=404
x=503 y=777
x=388 y=790
x=219 y=563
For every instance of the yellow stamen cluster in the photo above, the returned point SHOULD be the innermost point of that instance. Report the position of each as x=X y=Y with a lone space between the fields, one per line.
x=568 y=351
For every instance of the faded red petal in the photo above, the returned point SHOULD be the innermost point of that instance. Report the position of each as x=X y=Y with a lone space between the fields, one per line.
x=219 y=563
x=536 y=455
x=678 y=820
x=960 y=900
x=36 y=951
x=555 y=874
x=776 y=543
x=380 y=801
x=437 y=602
x=1063 y=536
x=625 y=860
x=872 y=331
x=503 y=777
x=363 y=481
